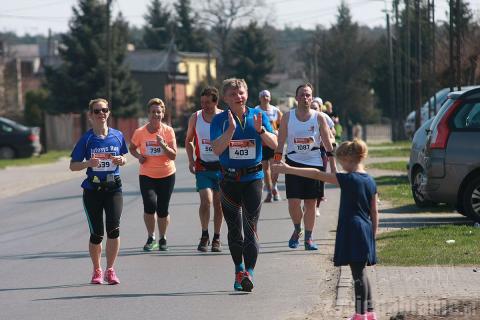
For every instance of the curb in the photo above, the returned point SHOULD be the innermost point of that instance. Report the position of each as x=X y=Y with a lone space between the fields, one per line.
x=344 y=288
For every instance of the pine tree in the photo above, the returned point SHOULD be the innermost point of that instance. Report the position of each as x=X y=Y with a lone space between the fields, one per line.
x=82 y=74
x=188 y=36
x=252 y=59
x=159 y=28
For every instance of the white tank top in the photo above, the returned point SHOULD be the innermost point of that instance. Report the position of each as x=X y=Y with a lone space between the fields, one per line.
x=272 y=115
x=303 y=140
x=203 y=148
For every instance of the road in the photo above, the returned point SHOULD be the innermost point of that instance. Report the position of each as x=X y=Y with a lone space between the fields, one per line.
x=46 y=268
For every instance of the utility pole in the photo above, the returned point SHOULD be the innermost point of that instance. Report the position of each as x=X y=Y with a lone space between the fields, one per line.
x=391 y=95
x=450 y=38
x=400 y=112
x=418 y=76
x=458 y=34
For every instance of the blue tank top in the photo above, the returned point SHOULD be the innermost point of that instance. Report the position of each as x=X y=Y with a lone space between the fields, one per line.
x=245 y=148
x=90 y=145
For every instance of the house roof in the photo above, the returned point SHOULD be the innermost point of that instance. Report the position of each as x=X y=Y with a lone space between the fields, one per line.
x=24 y=51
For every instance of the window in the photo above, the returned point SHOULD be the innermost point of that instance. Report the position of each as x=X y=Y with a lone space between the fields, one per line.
x=4 y=128
x=468 y=116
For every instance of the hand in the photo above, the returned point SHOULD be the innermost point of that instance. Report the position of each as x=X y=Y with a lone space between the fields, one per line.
x=191 y=166
x=161 y=141
x=141 y=159
x=280 y=167
x=118 y=160
x=257 y=122
x=93 y=162
x=231 y=121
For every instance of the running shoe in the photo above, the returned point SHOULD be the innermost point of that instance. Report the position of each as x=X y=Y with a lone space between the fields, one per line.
x=238 y=280
x=162 y=244
x=276 y=195
x=247 y=282
x=216 y=245
x=111 y=277
x=268 y=198
x=310 y=245
x=203 y=245
x=358 y=316
x=150 y=245
x=294 y=241
x=97 y=276
x=371 y=316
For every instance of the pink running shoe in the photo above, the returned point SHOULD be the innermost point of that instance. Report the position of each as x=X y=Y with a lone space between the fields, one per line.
x=97 y=276
x=358 y=316
x=111 y=277
x=371 y=316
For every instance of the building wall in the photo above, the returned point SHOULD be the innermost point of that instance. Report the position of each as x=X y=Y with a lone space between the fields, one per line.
x=197 y=72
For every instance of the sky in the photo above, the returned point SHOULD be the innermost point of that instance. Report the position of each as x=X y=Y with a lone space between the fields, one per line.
x=38 y=16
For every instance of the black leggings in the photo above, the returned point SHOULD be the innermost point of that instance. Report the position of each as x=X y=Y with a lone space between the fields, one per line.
x=94 y=203
x=156 y=193
x=241 y=204
x=363 y=291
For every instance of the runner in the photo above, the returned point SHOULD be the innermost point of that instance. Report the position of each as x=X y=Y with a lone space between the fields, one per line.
x=275 y=116
x=103 y=148
x=304 y=130
x=237 y=135
x=206 y=167
x=158 y=150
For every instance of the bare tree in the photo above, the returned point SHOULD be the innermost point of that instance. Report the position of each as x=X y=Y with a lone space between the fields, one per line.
x=222 y=16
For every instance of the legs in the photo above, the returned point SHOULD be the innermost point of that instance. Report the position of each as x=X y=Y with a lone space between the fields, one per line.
x=267 y=178
x=206 y=199
x=363 y=292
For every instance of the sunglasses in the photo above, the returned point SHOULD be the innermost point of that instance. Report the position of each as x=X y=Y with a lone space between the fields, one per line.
x=104 y=110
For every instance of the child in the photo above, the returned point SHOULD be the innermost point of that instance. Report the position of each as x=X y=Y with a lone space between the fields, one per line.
x=357 y=219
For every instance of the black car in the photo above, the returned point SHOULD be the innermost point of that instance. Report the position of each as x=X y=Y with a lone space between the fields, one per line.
x=18 y=141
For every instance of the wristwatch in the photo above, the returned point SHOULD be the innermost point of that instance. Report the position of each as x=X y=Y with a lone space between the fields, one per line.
x=261 y=131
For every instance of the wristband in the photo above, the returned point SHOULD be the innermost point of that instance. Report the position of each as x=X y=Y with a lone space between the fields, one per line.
x=277 y=156
x=329 y=154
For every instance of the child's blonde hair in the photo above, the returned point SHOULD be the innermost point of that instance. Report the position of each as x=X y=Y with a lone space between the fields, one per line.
x=355 y=150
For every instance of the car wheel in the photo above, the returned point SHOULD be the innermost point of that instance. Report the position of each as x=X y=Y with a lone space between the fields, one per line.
x=7 y=153
x=417 y=190
x=471 y=199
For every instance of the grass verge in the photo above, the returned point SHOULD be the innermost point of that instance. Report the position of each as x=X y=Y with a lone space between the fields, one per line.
x=395 y=189
x=389 y=152
x=427 y=246
x=48 y=157
x=393 y=165
x=396 y=144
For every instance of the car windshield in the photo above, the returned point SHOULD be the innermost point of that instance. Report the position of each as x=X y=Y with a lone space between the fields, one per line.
x=13 y=124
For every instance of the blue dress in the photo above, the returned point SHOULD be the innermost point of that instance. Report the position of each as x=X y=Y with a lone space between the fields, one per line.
x=355 y=241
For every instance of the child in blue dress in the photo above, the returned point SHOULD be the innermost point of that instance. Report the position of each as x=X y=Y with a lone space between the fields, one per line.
x=357 y=219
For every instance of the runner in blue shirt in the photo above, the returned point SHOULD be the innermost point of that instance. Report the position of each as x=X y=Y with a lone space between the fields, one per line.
x=103 y=150
x=237 y=135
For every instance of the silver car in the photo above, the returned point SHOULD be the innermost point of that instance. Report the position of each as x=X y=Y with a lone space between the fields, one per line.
x=452 y=155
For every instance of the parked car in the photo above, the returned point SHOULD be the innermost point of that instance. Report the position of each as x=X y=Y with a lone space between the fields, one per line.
x=17 y=141
x=409 y=124
x=416 y=165
x=452 y=154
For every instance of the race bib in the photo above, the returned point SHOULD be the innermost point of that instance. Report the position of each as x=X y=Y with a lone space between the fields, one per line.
x=303 y=145
x=106 y=163
x=205 y=148
x=242 y=149
x=153 y=149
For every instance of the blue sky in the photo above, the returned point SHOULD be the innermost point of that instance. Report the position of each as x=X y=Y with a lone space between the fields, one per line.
x=37 y=16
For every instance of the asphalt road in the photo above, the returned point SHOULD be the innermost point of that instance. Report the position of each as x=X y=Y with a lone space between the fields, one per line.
x=45 y=267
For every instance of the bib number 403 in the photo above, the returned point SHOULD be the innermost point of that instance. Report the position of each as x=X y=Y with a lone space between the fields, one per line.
x=241 y=152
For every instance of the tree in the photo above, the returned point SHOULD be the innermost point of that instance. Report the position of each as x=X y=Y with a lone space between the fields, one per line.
x=159 y=27
x=221 y=15
x=187 y=34
x=344 y=70
x=252 y=59
x=82 y=74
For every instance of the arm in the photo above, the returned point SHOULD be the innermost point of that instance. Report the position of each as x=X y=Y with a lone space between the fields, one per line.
x=311 y=173
x=325 y=135
x=374 y=214
x=221 y=143
x=282 y=133
x=170 y=147
x=189 y=142
x=133 y=150
x=268 y=138
x=80 y=165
